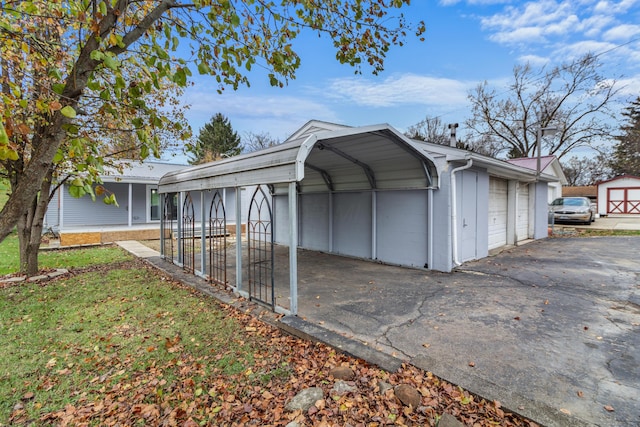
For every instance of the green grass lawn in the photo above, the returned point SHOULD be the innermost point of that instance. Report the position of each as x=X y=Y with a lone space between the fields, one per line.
x=71 y=258
x=119 y=327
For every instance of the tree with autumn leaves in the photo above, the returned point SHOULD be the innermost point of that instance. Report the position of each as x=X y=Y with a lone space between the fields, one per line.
x=66 y=63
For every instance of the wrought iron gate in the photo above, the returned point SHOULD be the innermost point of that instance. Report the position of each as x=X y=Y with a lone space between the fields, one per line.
x=260 y=253
x=217 y=241
x=188 y=234
x=168 y=216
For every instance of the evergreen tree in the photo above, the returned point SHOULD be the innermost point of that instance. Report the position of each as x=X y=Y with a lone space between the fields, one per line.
x=216 y=140
x=626 y=155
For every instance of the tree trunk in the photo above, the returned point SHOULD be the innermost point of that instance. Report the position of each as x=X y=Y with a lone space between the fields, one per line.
x=30 y=227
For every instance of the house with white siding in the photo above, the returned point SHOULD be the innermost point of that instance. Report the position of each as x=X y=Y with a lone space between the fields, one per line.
x=365 y=192
x=85 y=221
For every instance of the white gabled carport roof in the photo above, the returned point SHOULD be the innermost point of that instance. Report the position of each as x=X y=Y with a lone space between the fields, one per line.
x=285 y=163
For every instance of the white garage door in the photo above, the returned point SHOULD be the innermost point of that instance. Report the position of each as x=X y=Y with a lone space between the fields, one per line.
x=522 y=224
x=497 y=213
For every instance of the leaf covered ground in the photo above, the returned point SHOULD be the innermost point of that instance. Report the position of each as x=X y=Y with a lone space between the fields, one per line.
x=121 y=344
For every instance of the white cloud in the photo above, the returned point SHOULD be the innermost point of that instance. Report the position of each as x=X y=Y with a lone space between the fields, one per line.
x=277 y=115
x=593 y=26
x=518 y=35
x=629 y=87
x=566 y=29
x=533 y=14
x=404 y=89
x=538 y=22
x=615 y=8
x=621 y=32
x=534 y=60
x=580 y=48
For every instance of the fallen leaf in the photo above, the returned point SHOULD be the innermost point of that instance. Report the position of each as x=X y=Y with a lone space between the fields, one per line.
x=565 y=411
x=426 y=345
x=609 y=408
x=516 y=318
x=580 y=394
x=472 y=364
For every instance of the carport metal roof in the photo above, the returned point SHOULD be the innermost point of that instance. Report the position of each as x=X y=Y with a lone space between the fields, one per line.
x=383 y=159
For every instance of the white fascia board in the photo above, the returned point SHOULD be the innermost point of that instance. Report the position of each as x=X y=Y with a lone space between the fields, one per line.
x=303 y=153
x=129 y=179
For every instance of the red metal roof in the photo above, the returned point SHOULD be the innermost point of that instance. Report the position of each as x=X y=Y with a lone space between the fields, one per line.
x=532 y=162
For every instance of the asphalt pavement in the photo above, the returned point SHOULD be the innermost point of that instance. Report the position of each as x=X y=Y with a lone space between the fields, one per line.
x=550 y=329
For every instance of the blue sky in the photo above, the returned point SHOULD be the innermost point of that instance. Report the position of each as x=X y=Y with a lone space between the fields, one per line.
x=467 y=42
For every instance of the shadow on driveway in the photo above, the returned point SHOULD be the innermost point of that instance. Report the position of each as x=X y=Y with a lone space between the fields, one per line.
x=549 y=329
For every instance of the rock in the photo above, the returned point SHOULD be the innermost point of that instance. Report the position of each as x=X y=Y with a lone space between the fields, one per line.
x=384 y=386
x=447 y=420
x=37 y=278
x=294 y=424
x=342 y=387
x=408 y=395
x=14 y=279
x=342 y=373
x=305 y=399
x=58 y=272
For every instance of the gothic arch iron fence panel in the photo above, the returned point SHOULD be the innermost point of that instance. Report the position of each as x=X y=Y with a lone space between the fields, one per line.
x=260 y=249
x=168 y=218
x=217 y=241
x=188 y=234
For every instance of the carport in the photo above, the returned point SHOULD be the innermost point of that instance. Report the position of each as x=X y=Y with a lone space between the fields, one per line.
x=364 y=192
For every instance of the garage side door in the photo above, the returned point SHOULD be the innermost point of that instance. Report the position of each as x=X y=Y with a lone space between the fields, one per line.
x=497 y=213
x=522 y=223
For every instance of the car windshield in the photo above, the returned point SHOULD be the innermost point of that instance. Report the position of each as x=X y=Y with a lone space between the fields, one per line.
x=570 y=202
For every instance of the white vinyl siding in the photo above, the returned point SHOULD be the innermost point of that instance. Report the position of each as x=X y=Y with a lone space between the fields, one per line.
x=401 y=224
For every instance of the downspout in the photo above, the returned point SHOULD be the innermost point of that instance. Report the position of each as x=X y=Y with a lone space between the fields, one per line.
x=454 y=211
x=430 y=229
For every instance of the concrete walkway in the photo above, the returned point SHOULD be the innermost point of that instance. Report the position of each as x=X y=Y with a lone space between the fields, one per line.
x=611 y=222
x=138 y=249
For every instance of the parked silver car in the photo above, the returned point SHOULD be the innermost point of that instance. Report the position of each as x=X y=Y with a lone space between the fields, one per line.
x=573 y=209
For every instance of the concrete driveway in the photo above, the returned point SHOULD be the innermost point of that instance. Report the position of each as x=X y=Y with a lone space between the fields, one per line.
x=551 y=329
